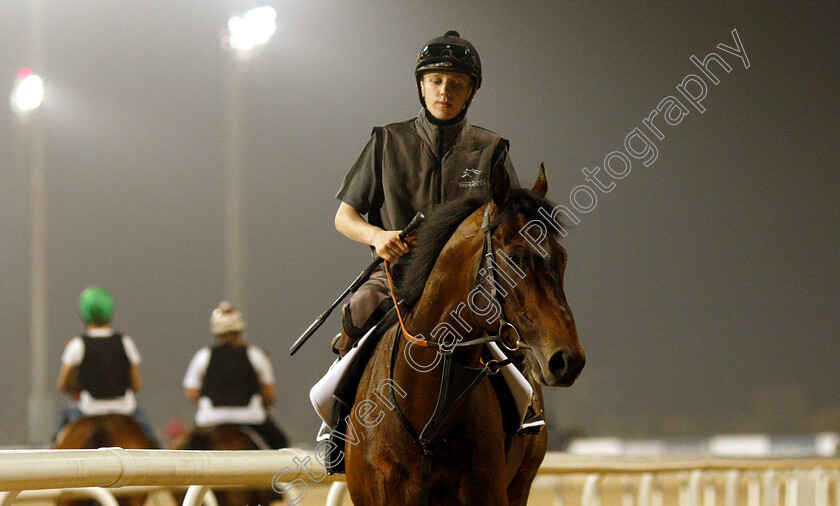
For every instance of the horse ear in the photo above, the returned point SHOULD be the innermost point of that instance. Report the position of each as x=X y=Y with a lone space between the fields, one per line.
x=541 y=184
x=499 y=183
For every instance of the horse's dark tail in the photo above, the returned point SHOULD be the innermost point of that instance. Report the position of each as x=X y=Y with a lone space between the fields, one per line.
x=99 y=438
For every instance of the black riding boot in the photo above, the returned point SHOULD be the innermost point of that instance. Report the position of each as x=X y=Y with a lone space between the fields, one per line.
x=351 y=334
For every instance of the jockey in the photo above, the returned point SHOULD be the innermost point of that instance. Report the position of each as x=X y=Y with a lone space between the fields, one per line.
x=233 y=382
x=101 y=366
x=411 y=166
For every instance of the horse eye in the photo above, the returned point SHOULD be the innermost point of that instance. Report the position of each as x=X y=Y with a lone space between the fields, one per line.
x=517 y=259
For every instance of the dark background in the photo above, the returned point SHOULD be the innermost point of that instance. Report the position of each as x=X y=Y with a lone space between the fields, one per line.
x=704 y=286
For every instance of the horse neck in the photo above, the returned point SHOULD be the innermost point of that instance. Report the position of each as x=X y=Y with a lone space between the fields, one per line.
x=441 y=314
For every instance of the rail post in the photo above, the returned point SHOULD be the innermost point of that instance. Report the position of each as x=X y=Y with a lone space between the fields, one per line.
x=645 y=489
x=771 y=488
x=590 y=495
x=198 y=495
x=730 y=493
x=693 y=492
x=7 y=498
x=337 y=493
x=754 y=490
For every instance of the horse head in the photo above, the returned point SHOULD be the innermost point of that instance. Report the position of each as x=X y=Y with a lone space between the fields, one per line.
x=530 y=264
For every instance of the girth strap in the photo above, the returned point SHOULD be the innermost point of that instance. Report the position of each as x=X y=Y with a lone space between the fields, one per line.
x=445 y=404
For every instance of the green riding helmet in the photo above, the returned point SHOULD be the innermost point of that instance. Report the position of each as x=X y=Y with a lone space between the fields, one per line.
x=96 y=305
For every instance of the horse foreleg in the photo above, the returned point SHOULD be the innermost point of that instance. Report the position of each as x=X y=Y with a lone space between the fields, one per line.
x=533 y=453
x=520 y=484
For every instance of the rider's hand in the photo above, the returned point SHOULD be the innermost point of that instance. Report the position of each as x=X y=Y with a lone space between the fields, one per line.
x=388 y=245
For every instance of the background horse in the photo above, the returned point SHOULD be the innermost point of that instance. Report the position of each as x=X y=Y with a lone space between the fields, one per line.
x=227 y=437
x=455 y=291
x=104 y=431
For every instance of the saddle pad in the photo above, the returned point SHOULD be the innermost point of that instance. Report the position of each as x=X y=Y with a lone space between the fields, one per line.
x=519 y=387
x=323 y=393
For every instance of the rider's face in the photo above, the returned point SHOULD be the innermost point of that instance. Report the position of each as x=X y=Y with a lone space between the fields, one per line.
x=445 y=93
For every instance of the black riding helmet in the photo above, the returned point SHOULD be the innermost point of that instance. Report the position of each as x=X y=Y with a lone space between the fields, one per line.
x=449 y=53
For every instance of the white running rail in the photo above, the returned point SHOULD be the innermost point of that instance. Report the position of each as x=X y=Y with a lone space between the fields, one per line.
x=91 y=473
x=702 y=481
x=699 y=481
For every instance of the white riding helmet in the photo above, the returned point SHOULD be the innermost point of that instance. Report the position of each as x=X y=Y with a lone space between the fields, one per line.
x=226 y=318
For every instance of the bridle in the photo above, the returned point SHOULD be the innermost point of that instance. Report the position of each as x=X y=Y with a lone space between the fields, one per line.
x=449 y=397
x=486 y=271
x=489 y=272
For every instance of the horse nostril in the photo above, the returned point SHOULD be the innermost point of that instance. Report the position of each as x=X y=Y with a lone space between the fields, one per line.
x=557 y=363
x=565 y=365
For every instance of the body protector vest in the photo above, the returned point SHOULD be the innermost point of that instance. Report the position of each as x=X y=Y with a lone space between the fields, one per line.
x=105 y=369
x=412 y=166
x=230 y=379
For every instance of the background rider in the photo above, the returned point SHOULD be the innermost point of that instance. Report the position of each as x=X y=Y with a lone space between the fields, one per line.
x=232 y=382
x=101 y=366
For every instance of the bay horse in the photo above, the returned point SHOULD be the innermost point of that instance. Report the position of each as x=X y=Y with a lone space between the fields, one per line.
x=104 y=431
x=226 y=437
x=440 y=437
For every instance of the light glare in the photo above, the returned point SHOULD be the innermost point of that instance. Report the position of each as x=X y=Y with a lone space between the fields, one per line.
x=253 y=29
x=27 y=94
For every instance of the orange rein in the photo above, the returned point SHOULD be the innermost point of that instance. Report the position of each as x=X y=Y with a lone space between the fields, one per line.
x=406 y=335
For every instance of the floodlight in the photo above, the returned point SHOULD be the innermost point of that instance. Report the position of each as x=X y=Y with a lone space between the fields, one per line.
x=253 y=29
x=28 y=92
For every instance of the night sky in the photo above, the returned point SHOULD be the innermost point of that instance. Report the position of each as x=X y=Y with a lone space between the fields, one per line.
x=704 y=284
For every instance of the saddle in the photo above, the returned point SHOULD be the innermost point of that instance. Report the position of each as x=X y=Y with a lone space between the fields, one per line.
x=200 y=437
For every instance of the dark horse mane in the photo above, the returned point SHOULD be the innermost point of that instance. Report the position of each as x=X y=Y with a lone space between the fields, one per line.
x=413 y=270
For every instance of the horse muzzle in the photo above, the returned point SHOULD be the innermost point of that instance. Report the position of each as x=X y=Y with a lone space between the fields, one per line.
x=564 y=367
